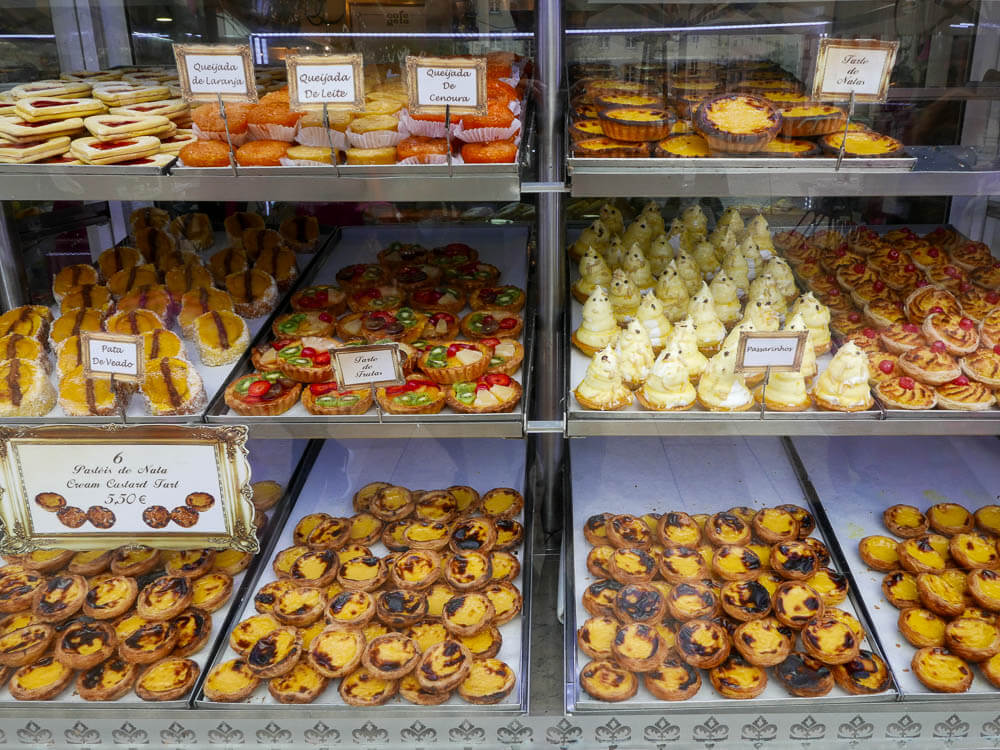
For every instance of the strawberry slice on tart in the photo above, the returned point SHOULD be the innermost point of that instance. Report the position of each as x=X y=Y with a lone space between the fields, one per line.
x=453 y=361
x=508 y=354
x=491 y=393
x=262 y=394
x=328 y=398
x=299 y=324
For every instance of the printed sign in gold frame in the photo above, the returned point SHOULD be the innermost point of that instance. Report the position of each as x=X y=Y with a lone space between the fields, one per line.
x=225 y=447
x=113 y=338
x=478 y=64
x=828 y=46
x=181 y=51
x=800 y=337
x=355 y=60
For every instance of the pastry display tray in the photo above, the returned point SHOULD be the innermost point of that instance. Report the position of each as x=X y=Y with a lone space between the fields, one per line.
x=214 y=378
x=282 y=465
x=695 y=475
x=69 y=171
x=586 y=165
x=855 y=480
x=341 y=468
x=506 y=247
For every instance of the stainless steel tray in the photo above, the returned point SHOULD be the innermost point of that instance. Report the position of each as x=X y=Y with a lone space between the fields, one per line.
x=505 y=247
x=696 y=475
x=71 y=170
x=714 y=163
x=344 y=466
x=855 y=480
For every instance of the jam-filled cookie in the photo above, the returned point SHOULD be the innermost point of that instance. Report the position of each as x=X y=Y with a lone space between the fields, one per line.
x=762 y=642
x=796 y=603
x=905 y=521
x=803 y=676
x=606 y=681
x=673 y=680
x=107 y=681
x=702 y=643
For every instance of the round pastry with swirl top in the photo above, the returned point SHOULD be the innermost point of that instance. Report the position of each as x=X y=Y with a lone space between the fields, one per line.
x=737 y=123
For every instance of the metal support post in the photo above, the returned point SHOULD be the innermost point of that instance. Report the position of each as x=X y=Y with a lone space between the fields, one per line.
x=13 y=280
x=550 y=346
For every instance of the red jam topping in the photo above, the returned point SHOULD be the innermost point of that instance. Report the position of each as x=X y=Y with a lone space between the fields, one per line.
x=960 y=380
x=938 y=346
x=109 y=145
x=906 y=383
x=911 y=328
x=887 y=366
x=966 y=325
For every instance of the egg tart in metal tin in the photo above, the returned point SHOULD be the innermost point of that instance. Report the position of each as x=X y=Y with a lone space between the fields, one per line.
x=737 y=123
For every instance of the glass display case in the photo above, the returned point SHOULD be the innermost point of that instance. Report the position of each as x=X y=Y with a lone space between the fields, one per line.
x=579 y=483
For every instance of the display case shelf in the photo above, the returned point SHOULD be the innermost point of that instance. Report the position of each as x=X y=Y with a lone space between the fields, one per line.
x=939 y=170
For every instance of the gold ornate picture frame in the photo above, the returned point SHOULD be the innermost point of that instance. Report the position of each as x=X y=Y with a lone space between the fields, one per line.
x=128 y=342
x=354 y=60
x=857 y=57
x=475 y=65
x=94 y=487
x=782 y=362
x=238 y=55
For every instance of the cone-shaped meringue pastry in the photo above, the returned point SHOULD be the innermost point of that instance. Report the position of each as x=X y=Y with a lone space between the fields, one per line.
x=732 y=344
x=765 y=289
x=594 y=272
x=598 y=328
x=694 y=219
x=709 y=330
x=816 y=316
x=758 y=229
x=661 y=252
x=721 y=388
x=639 y=233
x=751 y=251
x=689 y=272
x=783 y=277
x=786 y=391
x=724 y=238
x=731 y=218
x=625 y=297
x=726 y=299
x=651 y=212
x=735 y=266
x=676 y=228
x=682 y=344
x=614 y=256
x=843 y=385
x=668 y=386
x=635 y=354
x=602 y=388
x=762 y=315
x=673 y=293
x=636 y=265
x=612 y=219
x=657 y=325
x=596 y=236
x=704 y=256
x=808 y=368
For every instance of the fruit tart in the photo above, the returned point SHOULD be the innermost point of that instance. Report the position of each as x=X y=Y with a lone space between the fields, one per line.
x=861 y=144
x=417 y=396
x=299 y=324
x=221 y=337
x=94 y=396
x=455 y=361
x=306 y=360
x=811 y=119
x=254 y=292
x=737 y=123
x=172 y=386
x=198 y=302
x=440 y=326
x=404 y=324
x=506 y=357
x=262 y=394
x=472 y=276
x=491 y=393
x=906 y=393
x=507 y=298
x=362 y=275
x=398 y=254
x=450 y=299
x=636 y=123
x=327 y=398
x=374 y=298
x=491 y=323
x=930 y=364
x=983 y=365
x=962 y=394
x=928 y=299
x=320 y=298
x=452 y=254
x=410 y=278
x=956 y=332
x=25 y=390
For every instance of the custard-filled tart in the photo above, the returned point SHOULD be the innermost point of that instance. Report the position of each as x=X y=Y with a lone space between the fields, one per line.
x=246 y=633
x=59 y=598
x=107 y=681
x=426 y=634
x=921 y=627
x=510 y=533
x=489 y=681
x=930 y=299
x=469 y=571
x=606 y=681
x=830 y=641
x=475 y=534
x=682 y=564
x=336 y=653
x=795 y=604
x=144 y=642
x=790 y=148
x=302 y=684
x=318 y=567
x=364 y=573
x=628 y=531
x=41 y=680
x=773 y=525
x=17 y=587
x=83 y=645
x=45 y=560
x=974 y=551
x=631 y=565
x=189 y=563
x=135 y=561
x=391 y=656
x=167 y=679
x=284 y=559
x=702 y=643
x=905 y=521
x=950 y=519
x=745 y=600
x=962 y=394
x=23 y=645
x=984 y=587
x=600 y=598
x=444 y=665
x=735 y=563
x=727 y=528
x=794 y=560
x=957 y=332
x=811 y=119
x=467 y=613
x=972 y=638
x=738 y=123
x=803 y=676
x=639 y=647
x=503 y=503
x=865 y=675
x=738 y=678
x=595 y=637
x=673 y=680
x=329 y=533
x=164 y=598
x=879 y=552
x=398 y=608
x=941 y=671
x=416 y=569
x=639 y=123
x=862 y=144
x=230 y=682
x=762 y=641
x=275 y=653
x=900 y=589
x=350 y=609
x=830 y=585
x=692 y=601
x=507 y=601
x=299 y=606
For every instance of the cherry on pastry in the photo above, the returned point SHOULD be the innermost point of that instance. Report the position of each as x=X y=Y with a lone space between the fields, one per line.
x=934 y=252
x=859 y=267
x=960 y=380
x=993 y=298
x=996 y=349
x=938 y=346
x=870 y=333
x=879 y=286
x=909 y=268
x=911 y=328
x=936 y=309
x=854 y=317
x=886 y=366
x=966 y=324
x=906 y=383
x=922 y=282
x=893 y=255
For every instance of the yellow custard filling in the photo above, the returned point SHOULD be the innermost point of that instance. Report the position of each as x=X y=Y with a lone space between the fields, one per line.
x=395 y=650
x=739 y=116
x=865 y=143
x=782 y=145
x=208 y=588
x=636 y=115
x=472 y=611
x=815 y=110
x=426 y=634
x=630 y=562
x=635 y=647
x=363 y=684
x=686 y=145
x=764 y=636
x=358 y=570
x=427 y=531
x=164 y=676
x=485 y=679
x=907 y=516
x=42 y=676
x=906 y=588
x=950 y=514
x=231 y=677
x=881 y=548
x=926 y=623
x=944 y=667
x=973 y=632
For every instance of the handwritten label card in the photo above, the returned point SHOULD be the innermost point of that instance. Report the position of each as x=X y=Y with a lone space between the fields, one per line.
x=861 y=66
x=778 y=350
x=377 y=365
x=435 y=83
x=210 y=71
x=166 y=486
x=338 y=81
x=113 y=354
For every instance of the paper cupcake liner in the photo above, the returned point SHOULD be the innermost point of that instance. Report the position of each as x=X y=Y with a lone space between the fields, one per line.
x=375 y=138
x=317 y=136
x=271 y=133
x=238 y=139
x=515 y=108
x=482 y=135
x=426 y=159
x=427 y=128
x=286 y=162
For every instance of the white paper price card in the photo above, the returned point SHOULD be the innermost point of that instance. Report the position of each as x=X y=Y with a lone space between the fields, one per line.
x=437 y=83
x=337 y=81
x=375 y=365
x=112 y=354
x=777 y=350
x=210 y=71
x=81 y=487
x=858 y=66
